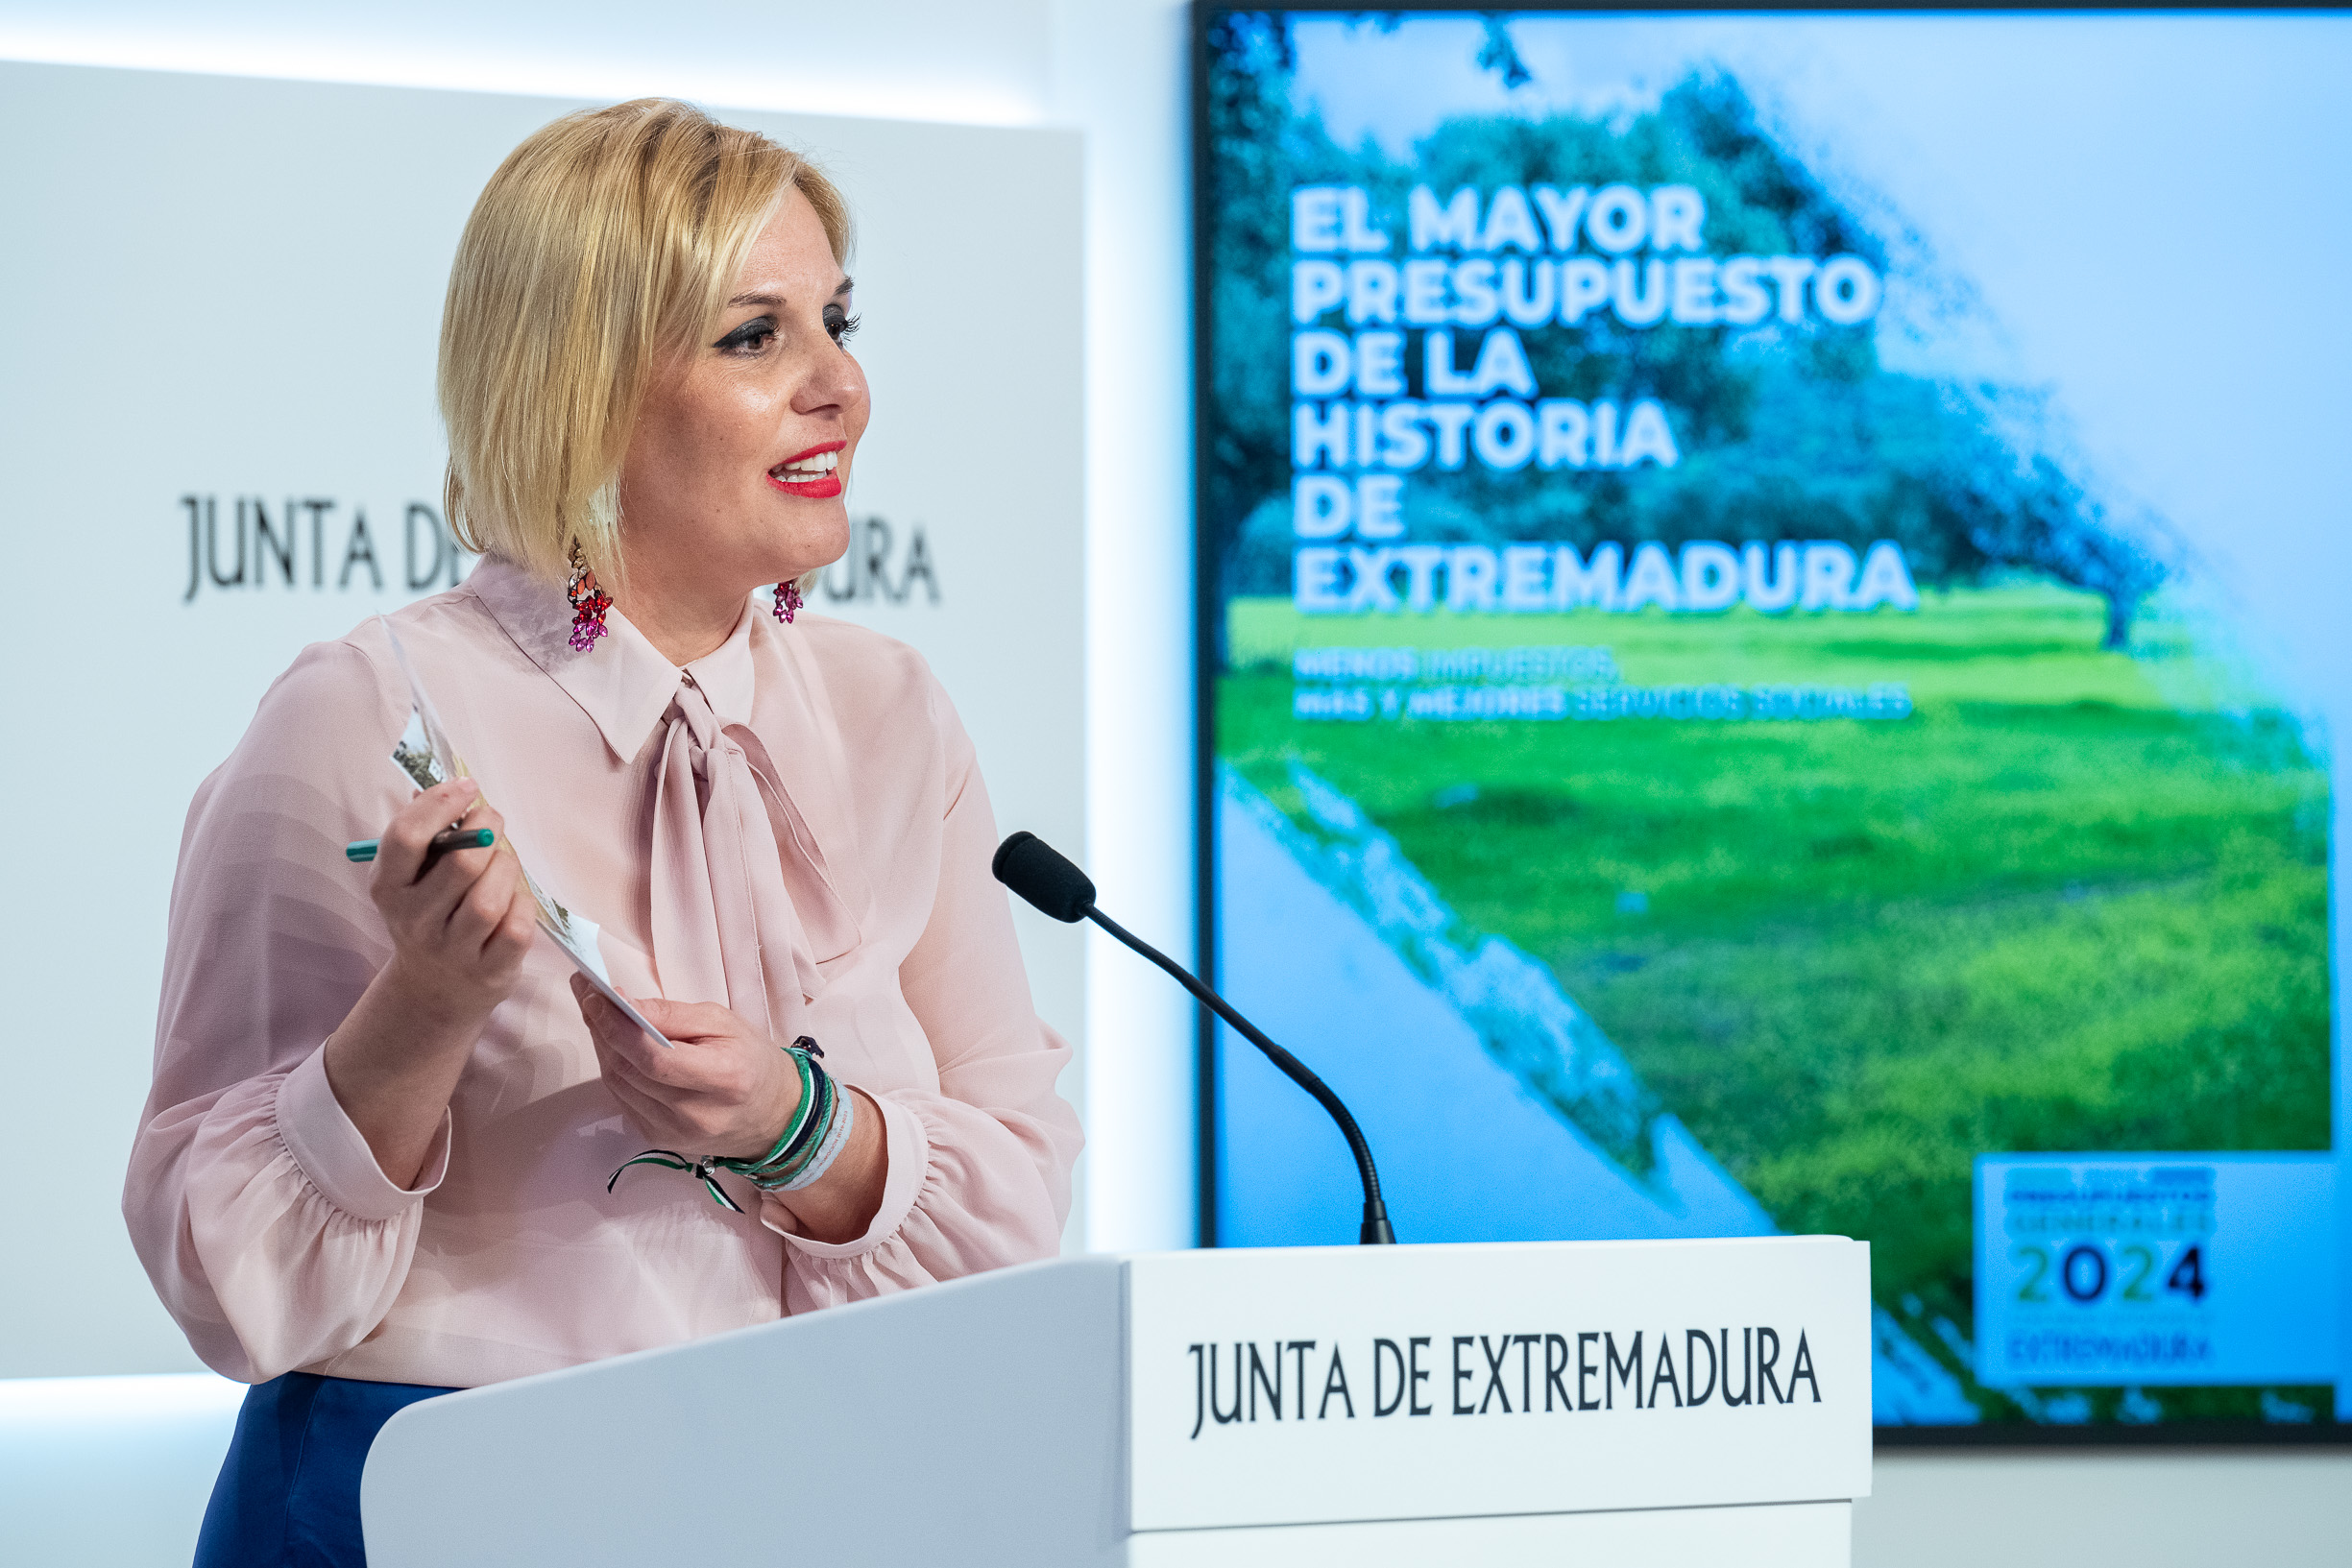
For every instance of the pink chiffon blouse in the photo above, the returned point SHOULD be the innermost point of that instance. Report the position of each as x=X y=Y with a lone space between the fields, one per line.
x=793 y=827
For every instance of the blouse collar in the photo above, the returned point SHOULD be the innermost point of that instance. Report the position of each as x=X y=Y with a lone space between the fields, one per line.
x=725 y=672
x=623 y=683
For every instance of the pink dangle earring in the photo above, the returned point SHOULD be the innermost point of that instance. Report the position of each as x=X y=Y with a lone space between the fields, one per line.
x=787 y=600
x=588 y=602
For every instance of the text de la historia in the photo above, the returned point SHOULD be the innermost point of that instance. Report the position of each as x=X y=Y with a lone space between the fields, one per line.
x=1496 y=263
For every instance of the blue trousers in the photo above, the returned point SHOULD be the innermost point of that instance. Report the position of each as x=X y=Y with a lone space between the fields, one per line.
x=288 y=1496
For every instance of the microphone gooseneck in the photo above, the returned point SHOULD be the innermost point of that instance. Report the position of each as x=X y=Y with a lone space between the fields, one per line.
x=1047 y=878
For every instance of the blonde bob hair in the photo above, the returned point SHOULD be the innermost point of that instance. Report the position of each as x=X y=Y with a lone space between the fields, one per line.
x=606 y=243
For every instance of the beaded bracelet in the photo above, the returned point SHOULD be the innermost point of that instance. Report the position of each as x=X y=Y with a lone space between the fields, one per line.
x=810 y=1141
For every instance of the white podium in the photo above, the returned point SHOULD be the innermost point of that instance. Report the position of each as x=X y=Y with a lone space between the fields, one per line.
x=1657 y=1404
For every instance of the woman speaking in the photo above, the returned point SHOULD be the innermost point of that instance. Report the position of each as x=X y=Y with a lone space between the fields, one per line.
x=379 y=1161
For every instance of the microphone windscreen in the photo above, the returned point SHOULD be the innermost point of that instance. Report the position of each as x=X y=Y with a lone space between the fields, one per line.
x=1035 y=870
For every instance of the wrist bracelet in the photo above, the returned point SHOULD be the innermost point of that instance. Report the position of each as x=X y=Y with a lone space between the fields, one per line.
x=807 y=1129
x=837 y=1139
x=802 y=1113
x=809 y=1144
x=782 y=1174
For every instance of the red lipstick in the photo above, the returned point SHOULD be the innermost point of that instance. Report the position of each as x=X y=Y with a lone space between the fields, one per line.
x=816 y=482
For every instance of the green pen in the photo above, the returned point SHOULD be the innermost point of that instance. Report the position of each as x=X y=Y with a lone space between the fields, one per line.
x=363 y=850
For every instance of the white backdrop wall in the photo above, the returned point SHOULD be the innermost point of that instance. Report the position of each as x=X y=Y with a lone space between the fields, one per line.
x=1114 y=69
x=1120 y=75
x=219 y=423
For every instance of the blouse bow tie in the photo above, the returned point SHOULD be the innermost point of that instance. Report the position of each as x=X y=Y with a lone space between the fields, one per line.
x=743 y=911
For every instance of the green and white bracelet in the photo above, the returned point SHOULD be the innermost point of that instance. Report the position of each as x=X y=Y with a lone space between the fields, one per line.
x=811 y=1141
x=844 y=1118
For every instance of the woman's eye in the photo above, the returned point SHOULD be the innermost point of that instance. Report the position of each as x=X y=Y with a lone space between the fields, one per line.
x=749 y=338
x=840 y=328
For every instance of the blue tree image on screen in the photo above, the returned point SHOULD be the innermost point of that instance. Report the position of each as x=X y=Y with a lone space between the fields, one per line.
x=1699 y=749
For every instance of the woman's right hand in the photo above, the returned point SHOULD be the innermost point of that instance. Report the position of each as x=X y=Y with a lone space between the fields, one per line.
x=460 y=930
x=459 y=934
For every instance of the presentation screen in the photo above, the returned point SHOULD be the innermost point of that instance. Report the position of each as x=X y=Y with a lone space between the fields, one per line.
x=1760 y=669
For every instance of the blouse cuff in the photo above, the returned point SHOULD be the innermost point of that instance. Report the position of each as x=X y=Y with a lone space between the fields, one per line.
x=907 y=1151
x=333 y=1153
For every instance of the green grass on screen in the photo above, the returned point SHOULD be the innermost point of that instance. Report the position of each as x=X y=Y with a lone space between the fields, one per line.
x=2076 y=900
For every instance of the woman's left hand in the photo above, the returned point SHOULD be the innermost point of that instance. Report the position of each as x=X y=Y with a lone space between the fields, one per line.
x=728 y=1090
x=725 y=1089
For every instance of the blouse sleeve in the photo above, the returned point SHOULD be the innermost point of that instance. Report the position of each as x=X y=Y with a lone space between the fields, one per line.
x=270 y=1231
x=979 y=1172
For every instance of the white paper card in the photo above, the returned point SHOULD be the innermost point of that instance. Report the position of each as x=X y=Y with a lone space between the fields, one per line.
x=424 y=756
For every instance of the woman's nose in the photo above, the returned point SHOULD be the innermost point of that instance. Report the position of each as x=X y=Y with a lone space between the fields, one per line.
x=833 y=382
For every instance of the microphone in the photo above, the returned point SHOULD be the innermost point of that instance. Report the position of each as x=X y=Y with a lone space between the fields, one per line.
x=1034 y=869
